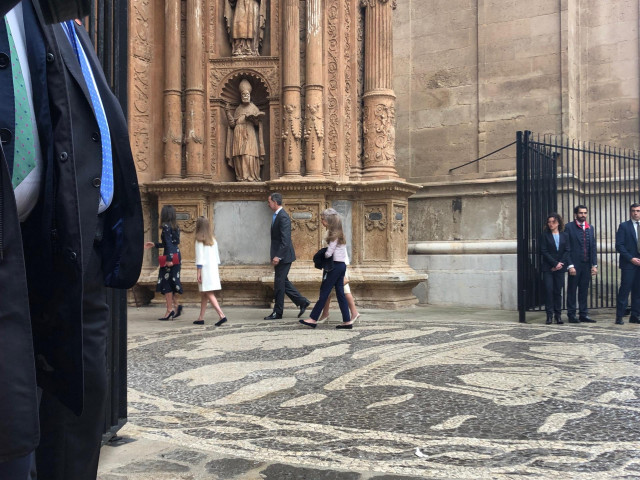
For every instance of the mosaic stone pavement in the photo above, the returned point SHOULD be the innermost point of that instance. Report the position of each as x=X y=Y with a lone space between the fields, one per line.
x=405 y=395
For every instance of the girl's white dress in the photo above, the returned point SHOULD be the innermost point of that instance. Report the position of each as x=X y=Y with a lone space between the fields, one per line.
x=209 y=257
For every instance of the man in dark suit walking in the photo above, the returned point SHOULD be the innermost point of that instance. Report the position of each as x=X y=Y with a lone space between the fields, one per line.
x=70 y=225
x=628 y=246
x=583 y=264
x=282 y=255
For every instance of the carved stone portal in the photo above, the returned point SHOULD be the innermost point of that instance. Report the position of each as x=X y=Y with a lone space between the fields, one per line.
x=258 y=97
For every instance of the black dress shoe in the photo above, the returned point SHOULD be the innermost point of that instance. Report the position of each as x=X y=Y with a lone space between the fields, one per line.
x=168 y=317
x=273 y=316
x=573 y=320
x=558 y=319
x=619 y=321
x=587 y=319
x=312 y=325
x=549 y=319
x=345 y=326
x=303 y=308
x=178 y=312
x=221 y=321
x=633 y=319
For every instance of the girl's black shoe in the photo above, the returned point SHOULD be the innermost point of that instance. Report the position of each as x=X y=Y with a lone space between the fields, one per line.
x=169 y=317
x=179 y=312
x=221 y=321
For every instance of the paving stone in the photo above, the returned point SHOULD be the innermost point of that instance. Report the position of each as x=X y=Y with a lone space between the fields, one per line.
x=407 y=394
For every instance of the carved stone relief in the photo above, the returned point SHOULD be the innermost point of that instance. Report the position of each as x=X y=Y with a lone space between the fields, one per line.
x=314 y=129
x=244 y=149
x=379 y=135
x=375 y=232
x=245 y=20
x=292 y=133
x=141 y=109
x=304 y=228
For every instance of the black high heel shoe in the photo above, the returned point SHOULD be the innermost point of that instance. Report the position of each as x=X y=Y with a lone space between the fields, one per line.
x=169 y=317
x=345 y=326
x=179 y=312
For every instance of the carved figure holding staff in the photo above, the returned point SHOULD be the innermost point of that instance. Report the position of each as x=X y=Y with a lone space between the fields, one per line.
x=245 y=145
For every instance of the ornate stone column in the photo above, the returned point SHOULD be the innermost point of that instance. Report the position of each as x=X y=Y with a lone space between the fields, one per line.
x=291 y=121
x=379 y=98
x=195 y=102
x=172 y=91
x=314 y=116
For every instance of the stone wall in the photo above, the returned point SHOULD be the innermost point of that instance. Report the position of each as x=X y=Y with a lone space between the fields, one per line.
x=468 y=75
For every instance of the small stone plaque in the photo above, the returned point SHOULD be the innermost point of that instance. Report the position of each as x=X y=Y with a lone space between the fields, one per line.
x=398 y=215
x=375 y=216
x=183 y=216
x=302 y=216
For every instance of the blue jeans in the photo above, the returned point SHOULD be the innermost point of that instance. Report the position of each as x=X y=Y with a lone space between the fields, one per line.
x=334 y=278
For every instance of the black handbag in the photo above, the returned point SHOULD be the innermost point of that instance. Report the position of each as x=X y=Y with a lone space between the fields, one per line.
x=321 y=262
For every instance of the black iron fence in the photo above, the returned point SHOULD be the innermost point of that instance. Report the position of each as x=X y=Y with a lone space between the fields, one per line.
x=554 y=174
x=107 y=26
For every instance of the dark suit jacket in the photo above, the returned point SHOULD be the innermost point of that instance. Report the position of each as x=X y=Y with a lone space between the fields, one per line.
x=58 y=236
x=626 y=245
x=281 y=245
x=577 y=239
x=552 y=255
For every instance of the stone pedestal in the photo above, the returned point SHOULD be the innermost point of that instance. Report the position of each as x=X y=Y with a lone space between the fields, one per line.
x=375 y=224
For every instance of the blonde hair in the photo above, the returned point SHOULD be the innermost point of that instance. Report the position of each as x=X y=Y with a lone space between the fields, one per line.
x=203 y=231
x=334 y=226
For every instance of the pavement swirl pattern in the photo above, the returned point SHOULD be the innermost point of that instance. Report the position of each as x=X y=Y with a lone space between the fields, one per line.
x=411 y=396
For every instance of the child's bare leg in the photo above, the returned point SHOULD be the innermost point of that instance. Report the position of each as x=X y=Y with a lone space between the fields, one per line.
x=352 y=305
x=215 y=304
x=203 y=306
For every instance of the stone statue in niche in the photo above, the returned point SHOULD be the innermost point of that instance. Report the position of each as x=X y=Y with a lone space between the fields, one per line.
x=245 y=145
x=246 y=20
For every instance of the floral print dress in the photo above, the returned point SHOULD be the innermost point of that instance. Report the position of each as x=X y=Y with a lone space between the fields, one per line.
x=169 y=277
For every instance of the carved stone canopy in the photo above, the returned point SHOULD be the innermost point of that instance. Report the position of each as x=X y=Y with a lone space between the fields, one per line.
x=231 y=89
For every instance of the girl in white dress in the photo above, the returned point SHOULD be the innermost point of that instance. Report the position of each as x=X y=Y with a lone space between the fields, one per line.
x=207 y=261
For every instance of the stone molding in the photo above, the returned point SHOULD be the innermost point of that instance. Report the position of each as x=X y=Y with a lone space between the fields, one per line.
x=477 y=247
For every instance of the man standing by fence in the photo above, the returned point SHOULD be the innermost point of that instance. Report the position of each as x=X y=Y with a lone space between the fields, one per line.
x=628 y=246
x=583 y=264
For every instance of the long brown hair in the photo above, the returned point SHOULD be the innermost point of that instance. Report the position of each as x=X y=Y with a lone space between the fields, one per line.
x=168 y=216
x=203 y=231
x=334 y=226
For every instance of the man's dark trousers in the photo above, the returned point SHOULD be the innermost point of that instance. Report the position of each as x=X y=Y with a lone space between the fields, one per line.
x=630 y=283
x=580 y=282
x=282 y=285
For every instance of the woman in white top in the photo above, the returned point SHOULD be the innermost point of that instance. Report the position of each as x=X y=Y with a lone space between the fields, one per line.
x=207 y=261
x=355 y=315
x=334 y=278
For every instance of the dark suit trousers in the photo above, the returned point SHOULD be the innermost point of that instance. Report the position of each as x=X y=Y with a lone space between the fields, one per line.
x=334 y=278
x=16 y=469
x=630 y=283
x=70 y=446
x=579 y=282
x=553 y=285
x=282 y=285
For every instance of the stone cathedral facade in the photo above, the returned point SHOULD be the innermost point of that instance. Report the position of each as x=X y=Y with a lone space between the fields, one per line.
x=468 y=74
x=366 y=105
x=233 y=99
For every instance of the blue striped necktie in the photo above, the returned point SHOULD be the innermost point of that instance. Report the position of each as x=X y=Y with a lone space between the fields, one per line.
x=106 y=183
